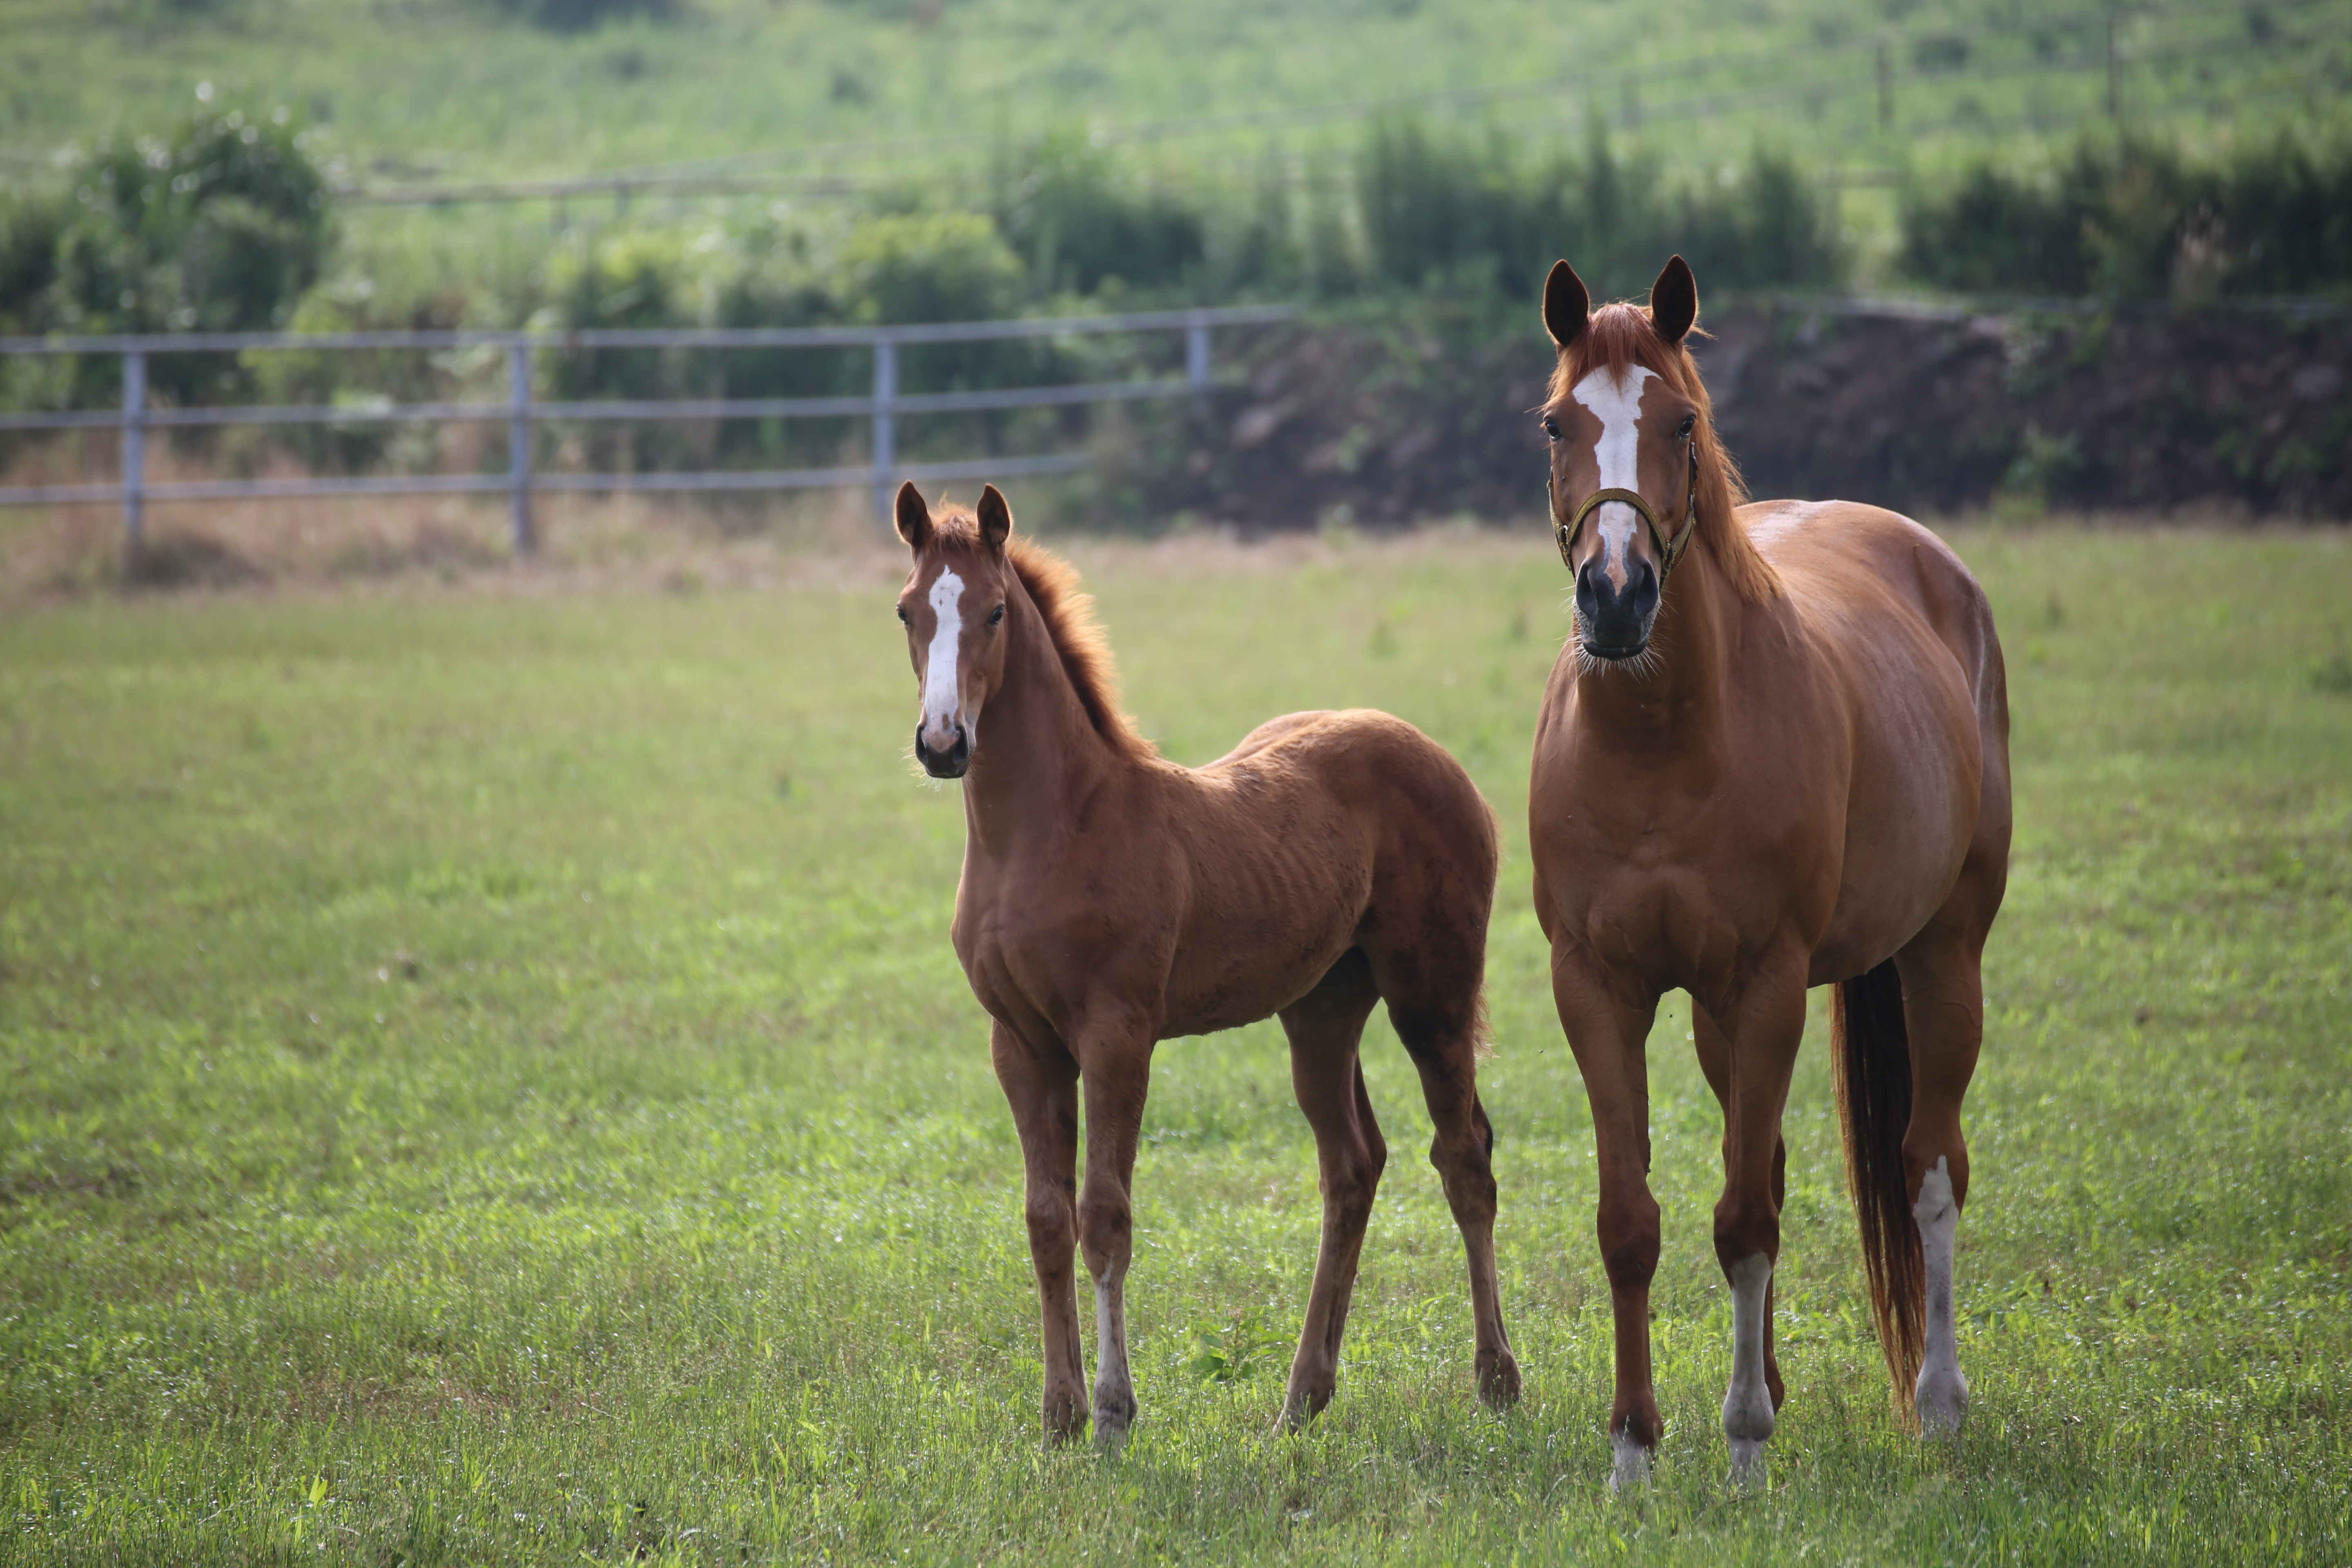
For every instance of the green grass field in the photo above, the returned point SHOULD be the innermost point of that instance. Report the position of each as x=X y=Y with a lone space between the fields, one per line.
x=893 y=92
x=486 y=1080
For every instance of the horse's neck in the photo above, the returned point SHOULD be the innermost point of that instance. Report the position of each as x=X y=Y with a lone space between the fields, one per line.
x=1036 y=754
x=1679 y=698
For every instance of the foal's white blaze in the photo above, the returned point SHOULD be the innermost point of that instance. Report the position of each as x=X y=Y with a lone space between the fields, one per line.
x=1747 y=1406
x=942 y=691
x=1941 y=1394
x=1618 y=405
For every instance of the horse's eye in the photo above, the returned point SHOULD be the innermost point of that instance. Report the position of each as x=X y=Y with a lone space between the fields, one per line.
x=1688 y=421
x=902 y=616
x=1551 y=428
x=997 y=616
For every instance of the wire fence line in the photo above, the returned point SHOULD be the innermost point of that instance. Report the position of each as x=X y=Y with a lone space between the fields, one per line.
x=522 y=411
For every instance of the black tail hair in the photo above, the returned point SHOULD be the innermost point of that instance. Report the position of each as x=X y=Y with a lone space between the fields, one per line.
x=1872 y=1052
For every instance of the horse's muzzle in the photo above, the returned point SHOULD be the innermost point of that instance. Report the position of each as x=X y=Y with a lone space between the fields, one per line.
x=1613 y=623
x=950 y=763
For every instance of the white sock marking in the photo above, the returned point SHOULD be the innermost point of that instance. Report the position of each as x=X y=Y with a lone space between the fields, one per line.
x=1941 y=1394
x=942 y=693
x=1747 y=1406
x=1629 y=1462
x=1618 y=405
x=1114 y=1384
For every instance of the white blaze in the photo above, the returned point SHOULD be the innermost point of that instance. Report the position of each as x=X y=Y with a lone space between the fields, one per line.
x=942 y=691
x=1747 y=1406
x=1941 y=1394
x=1618 y=405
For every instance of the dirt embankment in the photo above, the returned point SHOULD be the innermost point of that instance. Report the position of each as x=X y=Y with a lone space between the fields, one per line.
x=2249 y=414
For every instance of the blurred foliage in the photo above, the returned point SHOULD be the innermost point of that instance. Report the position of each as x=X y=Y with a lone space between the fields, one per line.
x=219 y=224
x=582 y=16
x=2134 y=218
x=1084 y=219
x=1471 y=210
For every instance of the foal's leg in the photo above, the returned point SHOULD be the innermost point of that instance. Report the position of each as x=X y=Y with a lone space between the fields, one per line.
x=1943 y=1014
x=1042 y=1088
x=1610 y=1039
x=1444 y=1049
x=1748 y=1063
x=1117 y=1067
x=1325 y=1026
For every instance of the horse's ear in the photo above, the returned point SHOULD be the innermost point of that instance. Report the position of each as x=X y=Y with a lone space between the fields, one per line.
x=1673 y=302
x=914 y=517
x=995 y=517
x=1567 y=304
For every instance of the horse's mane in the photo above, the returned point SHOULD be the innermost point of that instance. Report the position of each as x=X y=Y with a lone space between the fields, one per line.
x=1068 y=612
x=1619 y=336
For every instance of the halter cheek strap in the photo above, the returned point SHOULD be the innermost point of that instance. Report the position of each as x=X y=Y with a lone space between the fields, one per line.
x=1669 y=550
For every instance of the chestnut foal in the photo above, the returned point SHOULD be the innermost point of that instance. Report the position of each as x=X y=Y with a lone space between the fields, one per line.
x=1111 y=899
x=1774 y=755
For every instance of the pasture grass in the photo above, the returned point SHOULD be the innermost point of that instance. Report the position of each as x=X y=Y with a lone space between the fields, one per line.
x=486 y=1080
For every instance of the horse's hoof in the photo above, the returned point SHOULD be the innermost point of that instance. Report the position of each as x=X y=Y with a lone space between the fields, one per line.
x=1941 y=1400
x=1498 y=1384
x=1110 y=1436
x=1748 y=1463
x=1301 y=1404
x=1630 y=1469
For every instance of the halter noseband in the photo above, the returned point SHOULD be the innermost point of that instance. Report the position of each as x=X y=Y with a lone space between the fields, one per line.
x=1568 y=528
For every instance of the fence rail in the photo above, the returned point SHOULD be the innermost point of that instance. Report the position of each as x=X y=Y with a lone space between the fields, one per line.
x=522 y=410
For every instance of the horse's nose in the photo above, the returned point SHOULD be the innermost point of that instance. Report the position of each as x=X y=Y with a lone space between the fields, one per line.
x=949 y=757
x=1613 y=621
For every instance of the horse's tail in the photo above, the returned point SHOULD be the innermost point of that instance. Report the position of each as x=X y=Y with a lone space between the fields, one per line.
x=1872 y=1052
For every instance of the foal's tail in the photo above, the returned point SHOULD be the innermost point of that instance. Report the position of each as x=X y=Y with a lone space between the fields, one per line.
x=1872 y=1052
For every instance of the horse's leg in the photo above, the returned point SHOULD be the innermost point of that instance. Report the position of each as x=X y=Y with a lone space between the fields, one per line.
x=1714 y=1061
x=1325 y=1026
x=1943 y=1014
x=1117 y=1067
x=1610 y=1039
x=1444 y=1045
x=1042 y=1088
x=1758 y=1052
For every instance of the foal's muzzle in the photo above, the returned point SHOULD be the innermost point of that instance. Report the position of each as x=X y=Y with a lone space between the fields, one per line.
x=949 y=763
x=1614 y=623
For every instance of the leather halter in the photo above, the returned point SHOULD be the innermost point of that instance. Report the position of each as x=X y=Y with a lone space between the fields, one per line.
x=1568 y=529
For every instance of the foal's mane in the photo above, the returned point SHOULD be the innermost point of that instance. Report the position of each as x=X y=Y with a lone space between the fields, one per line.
x=1068 y=612
x=1617 y=337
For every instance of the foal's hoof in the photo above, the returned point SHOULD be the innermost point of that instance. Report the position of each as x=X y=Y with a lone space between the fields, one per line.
x=1498 y=1381
x=1300 y=1406
x=1941 y=1400
x=1630 y=1469
x=1748 y=1463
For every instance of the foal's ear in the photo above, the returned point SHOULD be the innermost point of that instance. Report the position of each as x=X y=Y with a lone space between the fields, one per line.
x=914 y=517
x=1567 y=304
x=1673 y=302
x=995 y=517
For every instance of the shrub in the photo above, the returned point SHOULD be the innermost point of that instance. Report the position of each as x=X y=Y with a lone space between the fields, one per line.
x=1082 y=220
x=2132 y=218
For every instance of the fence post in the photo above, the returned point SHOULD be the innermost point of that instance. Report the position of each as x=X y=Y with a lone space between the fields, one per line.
x=1196 y=359
x=134 y=447
x=885 y=426
x=519 y=445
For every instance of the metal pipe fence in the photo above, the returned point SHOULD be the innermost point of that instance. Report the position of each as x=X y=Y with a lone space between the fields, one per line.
x=522 y=411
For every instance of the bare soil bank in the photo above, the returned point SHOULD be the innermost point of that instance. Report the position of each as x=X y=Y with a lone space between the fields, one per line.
x=1380 y=426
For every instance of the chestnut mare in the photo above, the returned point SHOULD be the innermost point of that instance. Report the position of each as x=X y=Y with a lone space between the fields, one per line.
x=1773 y=755
x=1111 y=899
